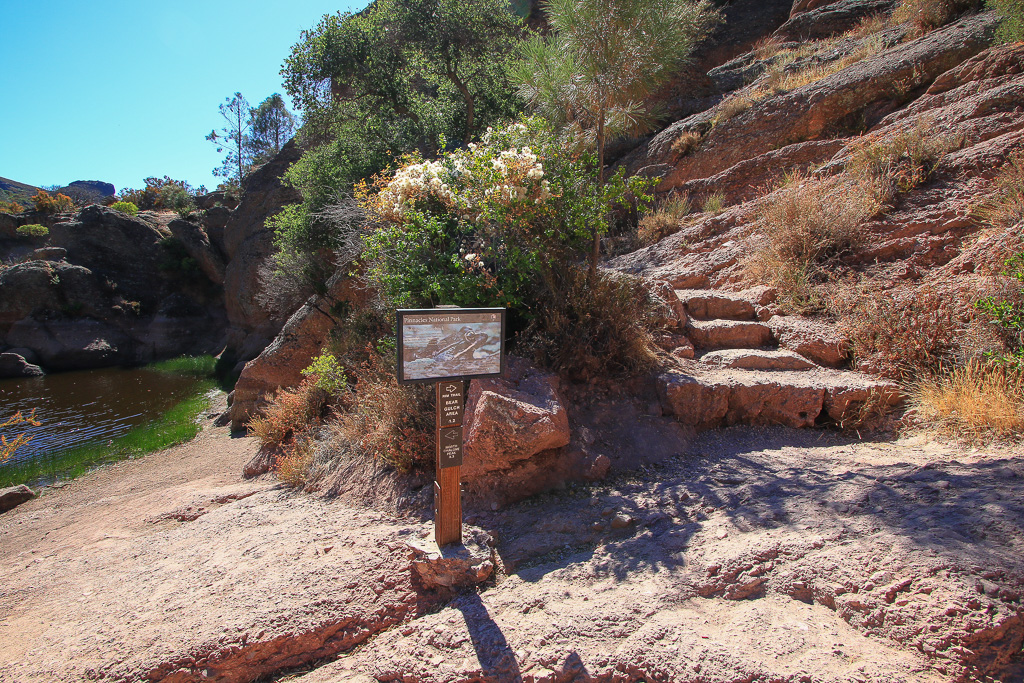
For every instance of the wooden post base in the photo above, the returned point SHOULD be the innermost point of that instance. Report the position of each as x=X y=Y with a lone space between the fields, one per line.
x=447 y=507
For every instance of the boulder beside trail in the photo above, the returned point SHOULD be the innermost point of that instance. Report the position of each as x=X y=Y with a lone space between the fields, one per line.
x=14 y=496
x=516 y=430
x=281 y=363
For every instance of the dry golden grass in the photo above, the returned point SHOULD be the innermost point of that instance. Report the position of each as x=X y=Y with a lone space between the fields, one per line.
x=808 y=224
x=713 y=203
x=926 y=15
x=1004 y=208
x=686 y=143
x=902 y=162
x=978 y=401
x=731 y=107
x=293 y=464
x=665 y=220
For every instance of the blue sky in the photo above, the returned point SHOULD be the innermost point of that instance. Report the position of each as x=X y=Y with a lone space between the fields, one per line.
x=118 y=91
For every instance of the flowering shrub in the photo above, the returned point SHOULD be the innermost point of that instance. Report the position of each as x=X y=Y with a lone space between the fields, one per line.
x=478 y=225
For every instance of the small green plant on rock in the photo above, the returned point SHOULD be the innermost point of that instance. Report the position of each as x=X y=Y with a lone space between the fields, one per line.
x=33 y=230
x=125 y=207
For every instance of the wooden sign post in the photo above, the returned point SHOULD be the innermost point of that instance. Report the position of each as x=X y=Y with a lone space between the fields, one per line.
x=449 y=345
x=447 y=488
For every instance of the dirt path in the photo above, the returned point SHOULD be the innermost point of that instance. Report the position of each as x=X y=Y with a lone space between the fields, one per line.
x=756 y=555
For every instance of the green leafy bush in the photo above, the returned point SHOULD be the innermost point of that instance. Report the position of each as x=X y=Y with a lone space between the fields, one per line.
x=125 y=207
x=1008 y=315
x=327 y=373
x=33 y=230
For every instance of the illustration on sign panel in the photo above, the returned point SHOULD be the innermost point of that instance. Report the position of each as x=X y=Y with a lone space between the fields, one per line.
x=458 y=343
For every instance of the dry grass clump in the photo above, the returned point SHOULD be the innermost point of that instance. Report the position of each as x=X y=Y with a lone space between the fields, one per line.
x=713 y=203
x=808 y=224
x=731 y=107
x=978 y=401
x=591 y=328
x=687 y=142
x=902 y=162
x=926 y=15
x=1005 y=207
x=665 y=220
x=294 y=462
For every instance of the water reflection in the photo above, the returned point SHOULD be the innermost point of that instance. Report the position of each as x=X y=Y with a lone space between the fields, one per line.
x=89 y=406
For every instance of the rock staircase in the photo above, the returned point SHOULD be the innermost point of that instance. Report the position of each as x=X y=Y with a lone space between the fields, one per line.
x=752 y=367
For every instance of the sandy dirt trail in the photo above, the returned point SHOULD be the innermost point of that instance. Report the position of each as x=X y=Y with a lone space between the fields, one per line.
x=751 y=555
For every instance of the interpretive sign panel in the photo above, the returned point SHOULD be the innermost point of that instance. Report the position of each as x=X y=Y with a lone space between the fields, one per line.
x=449 y=447
x=438 y=343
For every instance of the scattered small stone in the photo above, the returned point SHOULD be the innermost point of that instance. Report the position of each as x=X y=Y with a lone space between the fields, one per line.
x=621 y=521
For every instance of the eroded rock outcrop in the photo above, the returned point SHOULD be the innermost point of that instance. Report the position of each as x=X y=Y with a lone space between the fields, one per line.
x=812 y=111
x=248 y=243
x=104 y=290
x=281 y=363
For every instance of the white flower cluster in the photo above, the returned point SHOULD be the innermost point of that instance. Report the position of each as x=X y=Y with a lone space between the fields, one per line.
x=414 y=182
x=461 y=183
x=519 y=165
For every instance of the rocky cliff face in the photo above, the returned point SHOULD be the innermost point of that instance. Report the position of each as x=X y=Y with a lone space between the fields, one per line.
x=248 y=243
x=105 y=289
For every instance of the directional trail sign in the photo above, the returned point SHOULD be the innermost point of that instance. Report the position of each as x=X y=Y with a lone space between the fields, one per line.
x=448 y=346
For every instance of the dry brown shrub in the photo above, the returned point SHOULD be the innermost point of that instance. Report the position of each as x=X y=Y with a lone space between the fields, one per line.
x=913 y=333
x=979 y=401
x=290 y=413
x=294 y=462
x=665 y=220
x=388 y=421
x=902 y=162
x=807 y=224
x=1004 y=208
x=592 y=327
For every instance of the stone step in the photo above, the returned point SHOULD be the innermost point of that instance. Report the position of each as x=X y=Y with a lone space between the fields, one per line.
x=728 y=334
x=707 y=304
x=707 y=398
x=757 y=359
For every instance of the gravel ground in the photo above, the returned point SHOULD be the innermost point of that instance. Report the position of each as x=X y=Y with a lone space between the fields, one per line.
x=751 y=555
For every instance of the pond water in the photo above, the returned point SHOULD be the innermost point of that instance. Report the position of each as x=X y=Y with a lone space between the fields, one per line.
x=88 y=406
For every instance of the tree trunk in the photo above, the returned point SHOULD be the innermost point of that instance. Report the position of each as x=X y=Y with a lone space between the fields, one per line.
x=595 y=252
x=470 y=108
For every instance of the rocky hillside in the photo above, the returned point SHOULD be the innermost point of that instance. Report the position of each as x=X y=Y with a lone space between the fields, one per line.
x=103 y=288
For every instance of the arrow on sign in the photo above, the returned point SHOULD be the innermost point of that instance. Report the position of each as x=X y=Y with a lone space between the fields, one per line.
x=450 y=388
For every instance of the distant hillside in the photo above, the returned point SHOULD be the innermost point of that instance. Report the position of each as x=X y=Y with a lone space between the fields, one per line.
x=88 y=191
x=15 y=191
x=82 y=191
